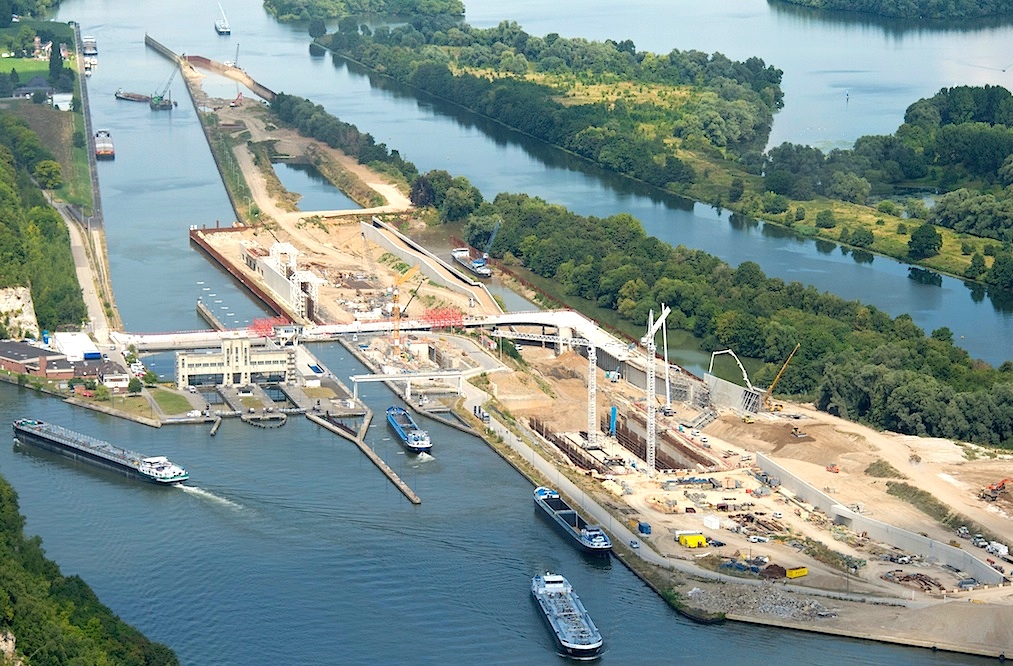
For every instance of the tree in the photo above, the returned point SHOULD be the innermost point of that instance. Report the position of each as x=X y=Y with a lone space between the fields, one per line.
x=862 y=237
x=49 y=174
x=925 y=242
x=736 y=190
x=134 y=385
x=825 y=219
x=977 y=267
x=317 y=28
x=150 y=378
x=55 y=63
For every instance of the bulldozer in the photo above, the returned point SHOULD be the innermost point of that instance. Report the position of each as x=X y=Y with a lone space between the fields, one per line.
x=797 y=432
x=832 y=467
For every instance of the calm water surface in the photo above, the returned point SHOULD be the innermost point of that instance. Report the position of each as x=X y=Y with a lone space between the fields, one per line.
x=288 y=546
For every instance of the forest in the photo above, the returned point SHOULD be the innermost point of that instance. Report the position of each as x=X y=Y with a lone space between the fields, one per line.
x=303 y=10
x=34 y=242
x=57 y=619
x=958 y=142
x=630 y=111
x=914 y=9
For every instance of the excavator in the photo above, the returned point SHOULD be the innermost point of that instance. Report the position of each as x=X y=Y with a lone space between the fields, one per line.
x=396 y=310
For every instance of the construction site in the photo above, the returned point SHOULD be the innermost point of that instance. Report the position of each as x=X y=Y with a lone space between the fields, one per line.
x=714 y=475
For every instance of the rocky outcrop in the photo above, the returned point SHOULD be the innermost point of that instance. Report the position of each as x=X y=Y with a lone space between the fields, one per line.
x=17 y=313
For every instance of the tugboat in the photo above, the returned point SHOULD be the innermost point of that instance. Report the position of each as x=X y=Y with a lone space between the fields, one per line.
x=569 y=620
x=414 y=438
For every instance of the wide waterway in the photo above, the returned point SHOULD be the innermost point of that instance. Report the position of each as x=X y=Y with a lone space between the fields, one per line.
x=160 y=184
x=289 y=546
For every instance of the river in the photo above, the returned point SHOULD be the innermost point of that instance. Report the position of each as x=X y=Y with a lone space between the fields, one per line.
x=289 y=546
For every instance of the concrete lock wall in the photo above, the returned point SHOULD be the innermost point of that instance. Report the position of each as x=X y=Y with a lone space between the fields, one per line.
x=908 y=541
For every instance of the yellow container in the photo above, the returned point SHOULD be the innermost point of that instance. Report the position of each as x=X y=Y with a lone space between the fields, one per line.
x=796 y=572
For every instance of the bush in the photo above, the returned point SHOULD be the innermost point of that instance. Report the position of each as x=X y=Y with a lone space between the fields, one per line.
x=825 y=219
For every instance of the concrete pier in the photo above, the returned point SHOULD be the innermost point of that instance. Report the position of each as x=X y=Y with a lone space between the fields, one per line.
x=371 y=454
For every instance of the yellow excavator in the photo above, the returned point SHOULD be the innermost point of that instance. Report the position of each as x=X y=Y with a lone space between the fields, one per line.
x=396 y=306
x=767 y=403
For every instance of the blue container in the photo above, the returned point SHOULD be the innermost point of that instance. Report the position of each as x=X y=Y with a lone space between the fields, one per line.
x=45 y=337
x=645 y=528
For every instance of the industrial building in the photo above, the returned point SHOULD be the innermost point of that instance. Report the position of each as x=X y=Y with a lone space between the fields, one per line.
x=297 y=289
x=237 y=364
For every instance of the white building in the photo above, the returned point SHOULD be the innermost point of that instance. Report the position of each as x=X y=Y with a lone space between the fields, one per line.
x=237 y=364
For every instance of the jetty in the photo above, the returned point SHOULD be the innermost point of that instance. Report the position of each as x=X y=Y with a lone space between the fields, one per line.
x=371 y=454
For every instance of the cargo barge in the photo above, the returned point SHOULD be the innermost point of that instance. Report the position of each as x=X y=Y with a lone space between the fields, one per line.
x=478 y=267
x=132 y=96
x=104 y=149
x=158 y=470
x=413 y=437
x=570 y=622
x=591 y=538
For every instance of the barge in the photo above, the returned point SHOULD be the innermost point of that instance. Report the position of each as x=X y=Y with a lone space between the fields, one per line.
x=590 y=538
x=104 y=149
x=570 y=622
x=158 y=470
x=478 y=267
x=414 y=438
x=132 y=96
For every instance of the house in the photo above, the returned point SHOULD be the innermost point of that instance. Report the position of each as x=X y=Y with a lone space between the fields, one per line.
x=36 y=84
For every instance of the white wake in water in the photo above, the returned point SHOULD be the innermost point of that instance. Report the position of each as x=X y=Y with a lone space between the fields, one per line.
x=208 y=495
x=423 y=457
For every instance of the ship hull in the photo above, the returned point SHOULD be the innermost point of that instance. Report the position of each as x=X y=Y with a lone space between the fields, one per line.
x=571 y=626
x=566 y=519
x=41 y=441
x=402 y=423
x=464 y=259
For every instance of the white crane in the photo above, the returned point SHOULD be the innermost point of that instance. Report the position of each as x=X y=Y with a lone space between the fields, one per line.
x=652 y=409
x=710 y=369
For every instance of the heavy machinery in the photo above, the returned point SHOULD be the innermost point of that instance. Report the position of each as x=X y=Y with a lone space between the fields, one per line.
x=396 y=306
x=832 y=467
x=797 y=432
x=648 y=341
x=163 y=101
x=771 y=406
x=992 y=492
x=238 y=101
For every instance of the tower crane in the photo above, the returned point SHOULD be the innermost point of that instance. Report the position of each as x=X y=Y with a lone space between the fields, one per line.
x=397 y=306
x=770 y=390
x=648 y=341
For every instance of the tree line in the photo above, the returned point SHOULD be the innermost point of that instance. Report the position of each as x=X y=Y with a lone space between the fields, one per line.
x=916 y=9
x=57 y=619
x=34 y=242
x=645 y=106
x=304 y=10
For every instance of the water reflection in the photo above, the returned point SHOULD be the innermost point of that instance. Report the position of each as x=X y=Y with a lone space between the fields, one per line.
x=923 y=276
x=892 y=27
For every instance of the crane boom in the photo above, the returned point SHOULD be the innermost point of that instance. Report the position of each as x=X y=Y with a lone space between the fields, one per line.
x=770 y=389
x=648 y=341
x=396 y=307
x=710 y=370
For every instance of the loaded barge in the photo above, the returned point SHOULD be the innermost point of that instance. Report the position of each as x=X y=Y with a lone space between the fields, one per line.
x=413 y=437
x=569 y=620
x=104 y=149
x=478 y=266
x=158 y=470
x=591 y=538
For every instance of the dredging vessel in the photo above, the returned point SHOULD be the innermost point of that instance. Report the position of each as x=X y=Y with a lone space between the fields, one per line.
x=158 y=470
x=591 y=538
x=413 y=437
x=569 y=620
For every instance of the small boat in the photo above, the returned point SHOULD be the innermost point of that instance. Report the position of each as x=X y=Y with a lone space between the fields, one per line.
x=569 y=620
x=413 y=437
x=222 y=24
x=591 y=538
x=132 y=97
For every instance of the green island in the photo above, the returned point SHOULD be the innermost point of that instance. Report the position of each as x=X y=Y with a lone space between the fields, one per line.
x=912 y=9
x=57 y=619
x=696 y=125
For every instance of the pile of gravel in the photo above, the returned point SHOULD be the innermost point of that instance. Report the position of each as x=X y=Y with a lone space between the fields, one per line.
x=757 y=600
